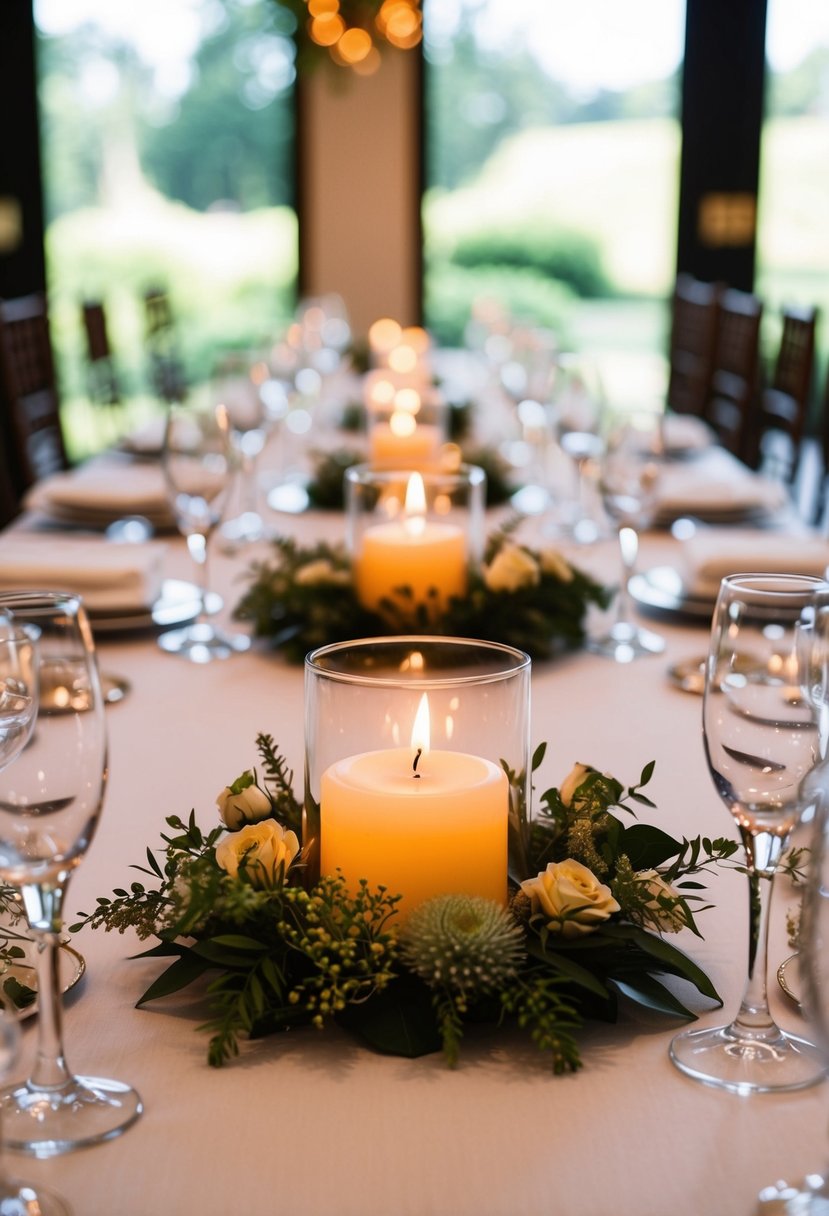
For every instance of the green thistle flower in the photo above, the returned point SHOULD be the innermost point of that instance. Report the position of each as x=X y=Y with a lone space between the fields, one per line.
x=462 y=943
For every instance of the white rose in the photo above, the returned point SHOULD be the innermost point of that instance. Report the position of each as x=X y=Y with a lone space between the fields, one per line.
x=321 y=571
x=571 y=897
x=511 y=568
x=572 y=782
x=243 y=802
x=260 y=850
x=552 y=562
x=661 y=911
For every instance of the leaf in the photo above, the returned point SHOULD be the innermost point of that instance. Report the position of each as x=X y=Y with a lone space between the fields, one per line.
x=178 y=975
x=538 y=756
x=670 y=959
x=647 y=991
x=647 y=847
x=237 y=941
x=398 y=1021
x=563 y=965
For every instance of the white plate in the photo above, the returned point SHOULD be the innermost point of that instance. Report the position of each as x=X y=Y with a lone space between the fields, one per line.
x=660 y=591
x=788 y=977
x=178 y=604
x=72 y=966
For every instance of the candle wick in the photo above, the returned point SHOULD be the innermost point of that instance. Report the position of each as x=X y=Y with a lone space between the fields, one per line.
x=414 y=763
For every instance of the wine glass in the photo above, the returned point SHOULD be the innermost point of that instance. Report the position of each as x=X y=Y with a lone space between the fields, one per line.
x=761 y=742
x=628 y=478
x=198 y=461
x=19 y=1198
x=18 y=690
x=51 y=797
x=810 y=1197
x=577 y=404
x=236 y=385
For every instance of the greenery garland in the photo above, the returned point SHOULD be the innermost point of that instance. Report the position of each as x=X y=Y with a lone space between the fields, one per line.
x=591 y=900
x=533 y=600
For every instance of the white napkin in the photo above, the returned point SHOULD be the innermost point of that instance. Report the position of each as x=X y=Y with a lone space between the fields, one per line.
x=716 y=482
x=709 y=556
x=104 y=491
x=110 y=577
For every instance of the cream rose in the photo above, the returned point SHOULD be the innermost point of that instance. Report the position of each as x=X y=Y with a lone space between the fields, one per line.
x=571 y=897
x=572 y=782
x=510 y=569
x=321 y=571
x=667 y=917
x=259 y=850
x=243 y=802
x=552 y=562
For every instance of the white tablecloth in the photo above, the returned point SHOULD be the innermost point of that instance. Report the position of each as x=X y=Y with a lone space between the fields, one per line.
x=312 y=1124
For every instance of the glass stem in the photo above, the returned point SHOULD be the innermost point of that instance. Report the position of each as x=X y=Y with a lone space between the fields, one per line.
x=629 y=549
x=197 y=548
x=763 y=849
x=44 y=911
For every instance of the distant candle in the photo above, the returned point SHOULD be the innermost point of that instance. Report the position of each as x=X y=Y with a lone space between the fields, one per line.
x=435 y=830
x=426 y=556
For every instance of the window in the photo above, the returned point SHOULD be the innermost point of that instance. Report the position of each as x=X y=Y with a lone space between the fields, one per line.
x=167 y=131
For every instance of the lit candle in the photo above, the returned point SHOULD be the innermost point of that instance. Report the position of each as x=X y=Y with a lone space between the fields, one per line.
x=425 y=555
x=419 y=822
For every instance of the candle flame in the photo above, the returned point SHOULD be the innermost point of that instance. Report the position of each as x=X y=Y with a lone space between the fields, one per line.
x=415 y=506
x=421 y=730
x=402 y=424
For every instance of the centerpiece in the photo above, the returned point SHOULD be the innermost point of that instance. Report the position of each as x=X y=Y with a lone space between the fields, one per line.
x=438 y=900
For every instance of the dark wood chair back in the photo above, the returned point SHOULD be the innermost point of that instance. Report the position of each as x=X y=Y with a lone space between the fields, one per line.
x=784 y=402
x=694 y=317
x=735 y=378
x=30 y=398
x=101 y=374
x=165 y=367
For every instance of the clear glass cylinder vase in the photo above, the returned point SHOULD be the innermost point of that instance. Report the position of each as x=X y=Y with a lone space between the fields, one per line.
x=417 y=763
x=413 y=537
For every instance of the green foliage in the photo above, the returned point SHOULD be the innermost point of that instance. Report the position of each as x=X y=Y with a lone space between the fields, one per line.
x=305 y=598
x=572 y=258
x=450 y=292
x=291 y=951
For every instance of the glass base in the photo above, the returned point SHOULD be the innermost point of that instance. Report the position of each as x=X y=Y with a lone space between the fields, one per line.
x=809 y=1198
x=289 y=498
x=48 y=1122
x=21 y=1199
x=246 y=529
x=201 y=643
x=625 y=642
x=742 y=1064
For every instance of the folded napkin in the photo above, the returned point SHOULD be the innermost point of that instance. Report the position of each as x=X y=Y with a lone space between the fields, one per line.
x=111 y=578
x=685 y=433
x=716 y=483
x=148 y=439
x=708 y=556
x=103 y=491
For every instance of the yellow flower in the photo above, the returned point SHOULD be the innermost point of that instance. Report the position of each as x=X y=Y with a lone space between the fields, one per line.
x=243 y=802
x=572 y=782
x=570 y=897
x=510 y=569
x=552 y=562
x=321 y=571
x=259 y=851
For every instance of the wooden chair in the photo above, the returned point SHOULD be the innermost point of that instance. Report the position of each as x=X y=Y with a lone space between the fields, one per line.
x=102 y=376
x=165 y=368
x=735 y=377
x=784 y=403
x=29 y=391
x=694 y=317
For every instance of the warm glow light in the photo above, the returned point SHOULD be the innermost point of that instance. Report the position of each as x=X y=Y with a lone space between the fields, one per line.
x=369 y=65
x=327 y=29
x=415 y=495
x=407 y=400
x=402 y=359
x=422 y=728
x=417 y=338
x=354 y=45
x=318 y=8
x=402 y=424
x=384 y=334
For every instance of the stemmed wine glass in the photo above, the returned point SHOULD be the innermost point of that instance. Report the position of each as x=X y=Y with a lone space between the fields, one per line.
x=237 y=384
x=578 y=405
x=762 y=742
x=199 y=464
x=629 y=477
x=51 y=796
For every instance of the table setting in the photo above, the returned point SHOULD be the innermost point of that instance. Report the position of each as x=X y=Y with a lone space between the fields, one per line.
x=483 y=1045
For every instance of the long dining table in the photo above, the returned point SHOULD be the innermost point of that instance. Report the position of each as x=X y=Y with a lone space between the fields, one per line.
x=311 y=1122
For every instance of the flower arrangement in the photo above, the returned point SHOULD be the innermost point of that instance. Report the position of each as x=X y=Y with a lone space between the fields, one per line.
x=534 y=600
x=325 y=488
x=593 y=894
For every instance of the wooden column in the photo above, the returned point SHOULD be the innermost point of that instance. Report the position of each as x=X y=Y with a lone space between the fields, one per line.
x=359 y=182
